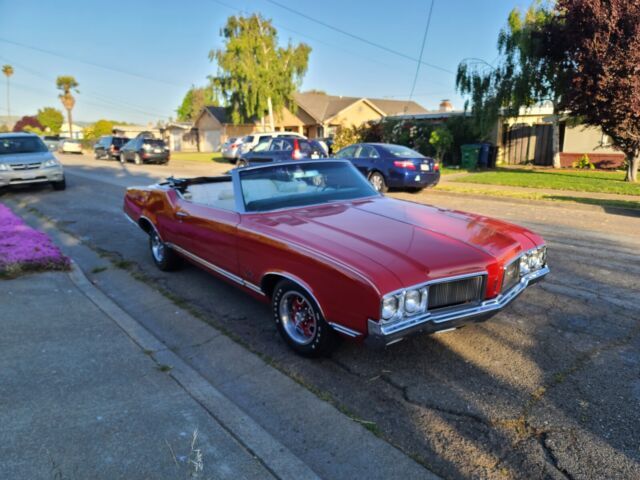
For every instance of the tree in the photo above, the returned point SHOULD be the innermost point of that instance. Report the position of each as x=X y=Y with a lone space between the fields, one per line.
x=602 y=41
x=441 y=140
x=66 y=84
x=194 y=101
x=254 y=74
x=531 y=70
x=28 y=123
x=50 y=118
x=8 y=71
x=99 y=129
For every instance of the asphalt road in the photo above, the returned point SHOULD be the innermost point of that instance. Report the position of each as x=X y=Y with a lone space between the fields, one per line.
x=550 y=388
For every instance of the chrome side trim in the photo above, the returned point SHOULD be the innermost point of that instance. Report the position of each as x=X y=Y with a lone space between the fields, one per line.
x=387 y=333
x=130 y=219
x=215 y=268
x=342 y=329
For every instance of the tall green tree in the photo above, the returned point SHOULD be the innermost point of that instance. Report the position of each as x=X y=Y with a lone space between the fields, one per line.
x=194 y=101
x=66 y=84
x=255 y=75
x=530 y=70
x=602 y=43
x=50 y=118
x=7 y=70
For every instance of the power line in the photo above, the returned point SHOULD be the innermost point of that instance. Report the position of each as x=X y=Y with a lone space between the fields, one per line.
x=88 y=62
x=357 y=37
x=424 y=41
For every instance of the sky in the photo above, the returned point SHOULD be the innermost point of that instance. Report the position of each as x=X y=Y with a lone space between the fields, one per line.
x=135 y=60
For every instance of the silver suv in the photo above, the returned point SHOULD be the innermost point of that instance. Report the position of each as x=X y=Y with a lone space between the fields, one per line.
x=25 y=159
x=251 y=141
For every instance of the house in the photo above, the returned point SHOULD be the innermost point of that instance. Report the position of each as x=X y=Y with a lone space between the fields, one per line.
x=180 y=136
x=76 y=131
x=316 y=115
x=132 y=131
x=527 y=139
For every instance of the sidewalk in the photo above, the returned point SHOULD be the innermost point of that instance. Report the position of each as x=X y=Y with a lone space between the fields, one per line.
x=242 y=394
x=79 y=399
x=450 y=182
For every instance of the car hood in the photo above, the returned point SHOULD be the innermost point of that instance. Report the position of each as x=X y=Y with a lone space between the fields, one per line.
x=414 y=242
x=36 y=157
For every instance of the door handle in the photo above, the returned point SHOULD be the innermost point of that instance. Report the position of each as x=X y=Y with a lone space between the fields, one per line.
x=182 y=214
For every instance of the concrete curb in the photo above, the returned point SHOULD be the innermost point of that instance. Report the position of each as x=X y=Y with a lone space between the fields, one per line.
x=272 y=454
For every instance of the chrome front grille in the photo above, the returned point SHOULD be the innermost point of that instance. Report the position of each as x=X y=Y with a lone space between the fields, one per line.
x=24 y=166
x=456 y=292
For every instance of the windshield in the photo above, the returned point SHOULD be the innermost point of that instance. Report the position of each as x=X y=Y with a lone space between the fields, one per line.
x=247 y=139
x=400 y=151
x=300 y=184
x=14 y=145
x=153 y=143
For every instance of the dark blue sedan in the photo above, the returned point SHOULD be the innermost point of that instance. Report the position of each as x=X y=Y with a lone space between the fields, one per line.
x=392 y=166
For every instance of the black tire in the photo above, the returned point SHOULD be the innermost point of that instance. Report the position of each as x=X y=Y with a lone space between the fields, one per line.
x=376 y=179
x=61 y=185
x=241 y=163
x=96 y=155
x=164 y=258
x=137 y=160
x=314 y=339
x=122 y=159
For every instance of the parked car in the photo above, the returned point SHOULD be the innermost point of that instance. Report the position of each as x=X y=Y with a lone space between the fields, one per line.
x=109 y=147
x=335 y=257
x=250 y=142
x=70 y=145
x=328 y=142
x=144 y=150
x=25 y=159
x=52 y=142
x=282 y=149
x=231 y=147
x=392 y=166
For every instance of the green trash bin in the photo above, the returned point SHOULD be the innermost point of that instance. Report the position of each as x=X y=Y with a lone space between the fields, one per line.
x=470 y=154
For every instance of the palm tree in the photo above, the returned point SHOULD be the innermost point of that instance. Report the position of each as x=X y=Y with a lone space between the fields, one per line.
x=65 y=84
x=8 y=71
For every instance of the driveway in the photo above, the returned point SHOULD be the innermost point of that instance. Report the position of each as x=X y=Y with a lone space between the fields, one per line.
x=548 y=388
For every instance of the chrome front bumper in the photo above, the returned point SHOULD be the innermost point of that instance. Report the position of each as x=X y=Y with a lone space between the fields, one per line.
x=432 y=322
x=22 y=177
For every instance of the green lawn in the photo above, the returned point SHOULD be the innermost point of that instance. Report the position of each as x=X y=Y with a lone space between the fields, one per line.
x=452 y=170
x=575 y=180
x=199 y=156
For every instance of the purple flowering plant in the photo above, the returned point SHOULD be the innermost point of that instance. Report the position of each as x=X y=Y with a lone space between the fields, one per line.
x=24 y=249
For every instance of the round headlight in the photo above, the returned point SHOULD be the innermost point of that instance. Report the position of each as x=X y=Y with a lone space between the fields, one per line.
x=524 y=264
x=412 y=301
x=389 y=307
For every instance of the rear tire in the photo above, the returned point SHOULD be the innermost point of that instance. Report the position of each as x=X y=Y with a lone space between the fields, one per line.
x=162 y=255
x=122 y=159
x=300 y=321
x=376 y=179
x=61 y=185
x=137 y=160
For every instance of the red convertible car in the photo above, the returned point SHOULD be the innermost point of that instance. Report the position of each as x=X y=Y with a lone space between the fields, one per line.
x=333 y=256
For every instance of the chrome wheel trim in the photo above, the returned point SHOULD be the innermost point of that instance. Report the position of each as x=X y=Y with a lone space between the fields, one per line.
x=298 y=317
x=376 y=181
x=157 y=247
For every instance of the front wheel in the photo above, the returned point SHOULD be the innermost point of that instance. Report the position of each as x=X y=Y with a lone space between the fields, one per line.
x=163 y=256
x=137 y=160
x=122 y=159
x=300 y=321
x=377 y=182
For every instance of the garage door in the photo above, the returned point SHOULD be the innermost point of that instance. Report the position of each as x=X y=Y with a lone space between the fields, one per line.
x=210 y=141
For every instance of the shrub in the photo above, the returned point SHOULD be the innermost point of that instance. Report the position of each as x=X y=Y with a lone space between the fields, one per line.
x=584 y=162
